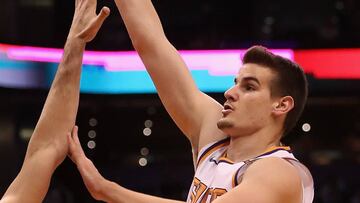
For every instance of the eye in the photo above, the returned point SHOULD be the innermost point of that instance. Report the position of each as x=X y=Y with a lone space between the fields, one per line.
x=249 y=88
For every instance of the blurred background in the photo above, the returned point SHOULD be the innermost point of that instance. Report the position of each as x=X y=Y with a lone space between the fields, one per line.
x=127 y=132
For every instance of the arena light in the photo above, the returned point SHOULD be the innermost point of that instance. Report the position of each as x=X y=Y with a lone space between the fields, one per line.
x=217 y=62
x=93 y=122
x=330 y=63
x=143 y=161
x=91 y=144
x=123 y=72
x=144 y=151
x=148 y=123
x=306 y=127
x=321 y=63
x=147 y=132
x=92 y=134
x=26 y=133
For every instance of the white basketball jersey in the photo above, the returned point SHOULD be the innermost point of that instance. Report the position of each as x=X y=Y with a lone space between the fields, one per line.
x=215 y=175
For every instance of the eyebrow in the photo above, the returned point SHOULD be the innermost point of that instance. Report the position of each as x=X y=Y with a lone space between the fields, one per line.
x=249 y=78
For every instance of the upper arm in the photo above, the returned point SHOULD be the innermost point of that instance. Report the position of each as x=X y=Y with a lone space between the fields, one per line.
x=187 y=106
x=267 y=180
x=194 y=112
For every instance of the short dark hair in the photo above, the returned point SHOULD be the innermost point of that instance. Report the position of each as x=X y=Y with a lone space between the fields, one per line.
x=290 y=80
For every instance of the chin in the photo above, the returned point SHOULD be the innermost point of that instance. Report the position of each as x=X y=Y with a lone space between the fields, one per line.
x=224 y=124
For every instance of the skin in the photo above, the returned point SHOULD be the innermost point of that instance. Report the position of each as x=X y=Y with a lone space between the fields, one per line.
x=254 y=122
x=262 y=126
x=49 y=145
x=249 y=96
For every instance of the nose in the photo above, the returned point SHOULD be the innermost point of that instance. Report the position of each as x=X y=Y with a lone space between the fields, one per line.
x=231 y=94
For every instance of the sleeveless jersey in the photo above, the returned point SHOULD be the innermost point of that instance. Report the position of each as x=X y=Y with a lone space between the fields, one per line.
x=215 y=174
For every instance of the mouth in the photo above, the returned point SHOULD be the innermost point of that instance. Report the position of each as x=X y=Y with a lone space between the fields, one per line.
x=227 y=109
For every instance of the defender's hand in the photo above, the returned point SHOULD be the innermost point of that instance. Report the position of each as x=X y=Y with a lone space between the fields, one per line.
x=86 y=23
x=93 y=180
x=76 y=153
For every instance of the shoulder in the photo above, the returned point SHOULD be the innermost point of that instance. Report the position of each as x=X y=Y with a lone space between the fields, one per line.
x=272 y=168
x=276 y=174
x=267 y=180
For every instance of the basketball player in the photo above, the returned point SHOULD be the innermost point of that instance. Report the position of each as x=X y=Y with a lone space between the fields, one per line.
x=237 y=152
x=49 y=144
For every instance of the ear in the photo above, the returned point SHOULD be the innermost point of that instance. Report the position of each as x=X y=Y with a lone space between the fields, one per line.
x=283 y=105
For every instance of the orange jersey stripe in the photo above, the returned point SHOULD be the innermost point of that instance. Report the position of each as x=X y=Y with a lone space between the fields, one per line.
x=211 y=149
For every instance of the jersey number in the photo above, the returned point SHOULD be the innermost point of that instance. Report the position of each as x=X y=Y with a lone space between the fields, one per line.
x=201 y=193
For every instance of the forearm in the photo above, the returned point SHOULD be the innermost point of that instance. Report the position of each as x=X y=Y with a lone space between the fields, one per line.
x=113 y=193
x=33 y=180
x=63 y=99
x=62 y=102
x=167 y=69
x=142 y=22
x=59 y=112
x=48 y=144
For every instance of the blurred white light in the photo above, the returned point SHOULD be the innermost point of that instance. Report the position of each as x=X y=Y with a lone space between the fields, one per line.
x=269 y=20
x=306 y=127
x=91 y=144
x=92 y=134
x=339 y=5
x=93 y=122
x=148 y=123
x=26 y=133
x=144 y=151
x=143 y=161
x=147 y=131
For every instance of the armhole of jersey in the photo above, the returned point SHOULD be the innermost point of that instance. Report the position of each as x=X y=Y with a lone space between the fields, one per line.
x=237 y=177
x=209 y=149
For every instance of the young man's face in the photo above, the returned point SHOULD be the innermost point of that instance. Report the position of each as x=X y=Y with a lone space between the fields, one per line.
x=249 y=104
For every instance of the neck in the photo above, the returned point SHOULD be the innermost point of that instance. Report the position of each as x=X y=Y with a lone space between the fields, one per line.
x=246 y=147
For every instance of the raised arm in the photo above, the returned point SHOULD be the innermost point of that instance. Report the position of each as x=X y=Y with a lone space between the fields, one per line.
x=48 y=145
x=100 y=188
x=195 y=113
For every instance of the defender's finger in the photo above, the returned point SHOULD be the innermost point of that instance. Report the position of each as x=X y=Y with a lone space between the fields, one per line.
x=77 y=3
x=71 y=146
x=104 y=13
x=75 y=134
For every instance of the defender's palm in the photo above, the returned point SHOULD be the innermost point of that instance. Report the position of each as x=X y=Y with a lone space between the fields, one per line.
x=90 y=175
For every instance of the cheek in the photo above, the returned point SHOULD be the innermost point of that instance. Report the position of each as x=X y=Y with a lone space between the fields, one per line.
x=258 y=106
